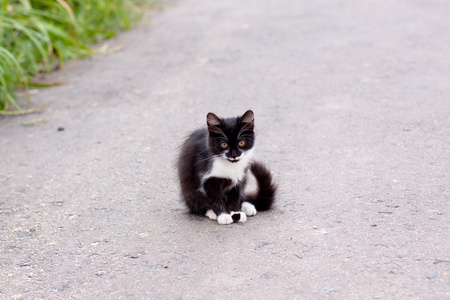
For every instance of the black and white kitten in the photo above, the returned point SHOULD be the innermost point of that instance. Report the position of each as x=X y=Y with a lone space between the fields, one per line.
x=215 y=165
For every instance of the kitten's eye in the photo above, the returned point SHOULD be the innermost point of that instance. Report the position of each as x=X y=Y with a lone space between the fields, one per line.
x=224 y=145
x=241 y=143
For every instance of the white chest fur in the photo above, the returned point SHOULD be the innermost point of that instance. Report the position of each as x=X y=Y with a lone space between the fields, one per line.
x=222 y=168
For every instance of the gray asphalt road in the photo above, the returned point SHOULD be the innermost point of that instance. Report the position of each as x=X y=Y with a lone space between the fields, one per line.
x=352 y=110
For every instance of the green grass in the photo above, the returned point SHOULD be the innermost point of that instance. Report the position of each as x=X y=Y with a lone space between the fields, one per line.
x=39 y=36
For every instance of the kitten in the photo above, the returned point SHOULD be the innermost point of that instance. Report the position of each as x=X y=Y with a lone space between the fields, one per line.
x=215 y=165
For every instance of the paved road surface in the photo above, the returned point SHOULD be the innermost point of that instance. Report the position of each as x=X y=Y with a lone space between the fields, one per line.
x=352 y=114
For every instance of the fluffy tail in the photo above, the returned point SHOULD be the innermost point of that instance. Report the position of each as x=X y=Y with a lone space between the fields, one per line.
x=265 y=196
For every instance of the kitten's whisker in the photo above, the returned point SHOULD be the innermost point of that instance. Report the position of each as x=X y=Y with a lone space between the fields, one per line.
x=244 y=129
x=246 y=135
x=201 y=152
x=205 y=159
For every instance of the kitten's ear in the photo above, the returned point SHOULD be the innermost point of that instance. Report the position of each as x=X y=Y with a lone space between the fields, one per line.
x=248 y=120
x=213 y=122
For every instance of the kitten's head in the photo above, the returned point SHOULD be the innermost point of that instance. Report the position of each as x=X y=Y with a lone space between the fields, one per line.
x=231 y=138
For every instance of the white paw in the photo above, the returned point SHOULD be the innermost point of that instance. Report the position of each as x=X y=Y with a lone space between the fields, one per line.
x=210 y=214
x=242 y=217
x=248 y=208
x=224 y=219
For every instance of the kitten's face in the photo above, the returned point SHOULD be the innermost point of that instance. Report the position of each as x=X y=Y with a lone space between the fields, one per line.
x=231 y=138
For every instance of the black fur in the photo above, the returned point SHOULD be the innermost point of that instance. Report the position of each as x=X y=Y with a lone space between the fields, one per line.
x=227 y=140
x=265 y=197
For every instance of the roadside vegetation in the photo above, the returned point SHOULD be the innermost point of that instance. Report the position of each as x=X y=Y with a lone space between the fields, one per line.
x=38 y=36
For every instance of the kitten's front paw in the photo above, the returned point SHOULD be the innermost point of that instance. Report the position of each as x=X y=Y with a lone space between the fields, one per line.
x=238 y=216
x=210 y=214
x=224 y=219
x=248 y=208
